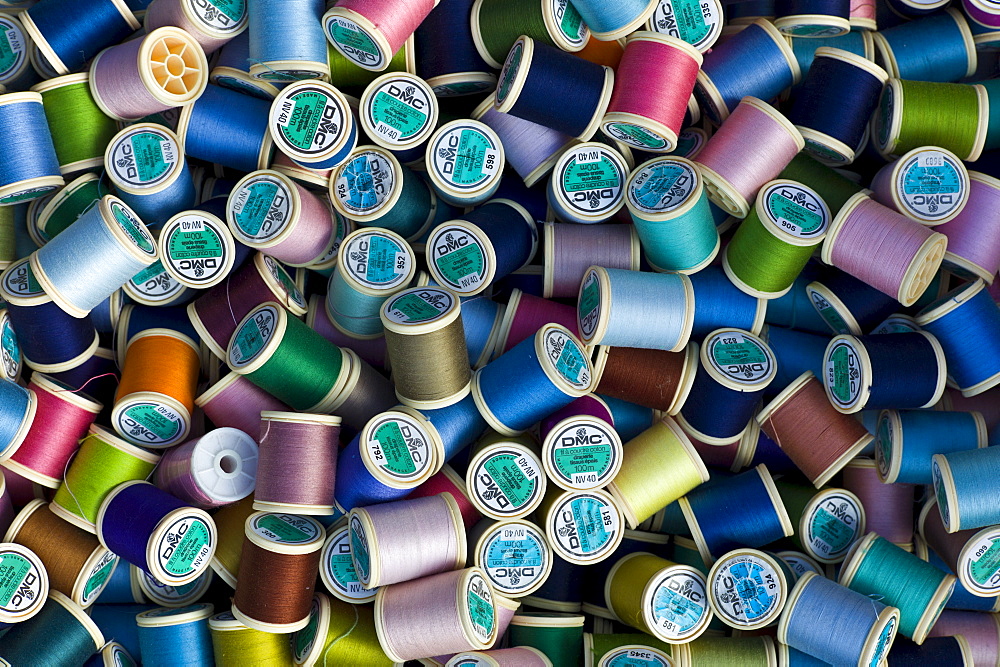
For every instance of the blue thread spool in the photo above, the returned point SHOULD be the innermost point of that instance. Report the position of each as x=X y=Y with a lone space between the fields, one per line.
x=228 y=128
x=905 y=370
x=747 y=589
x=482 y=319
x=399 y=112
x=739 y=14
x=16 y=72
x=29 y=168
x=719 y=303
x=447 y=58
x=724 y=79
x=176 y=637
x=611 y=301
x=457 y=425
x=549 y=371
x=795 y=310
x=905 y=441
x=535 y=74
x=10 y=351
x=858 y=42
x=757 y=448
x=969 y=553
x=963 y=482
x=903 y=49
x=395 y=452
x=69 y=34
x=312 y=123
x=961 y=598
x=19 y=405
x=373 y=188
x=953 y=650
x=232 y=70
x=630 y=419
x=287 y=41
x=123 y=586
x=470 y=254
x=118 y=621
x=896 y=323
x=465 y=160
x=796 y=352
x=50 y=339
x=855 y=628
x=842 y=80
x=813 y=18
x=61 y=634
x=848 y=305
x=734 y=370
x=613 y=21
x=588 y=184
x=911 y=9
x=967 y=322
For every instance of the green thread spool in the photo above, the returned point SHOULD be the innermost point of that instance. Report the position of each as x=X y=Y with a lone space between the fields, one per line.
x=992 y=88
x=80 y=130
x=61 y=634
x=70 y=203
x=558 y=636
x=8 y=236
x=829 y=184
x=287 y=359
x=912 y=114
x=877 y=567
x=730 y=652
x=236 y=645
x=597 y=646
x=339 y=633
x=346 y=75
x=103 y=462
x=775 y=241
x=497 y=24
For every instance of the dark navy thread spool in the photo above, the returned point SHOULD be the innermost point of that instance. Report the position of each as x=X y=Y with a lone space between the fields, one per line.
x=903 y=50
x=562 y=590
x=734 y=370
x=796 y=353
x=813 y=18
x=69 y=34
x=447 y=58
x=835 y=103
x=857 y=42
x=232 y=70
x=30 y=167
x=725 y=79
x=795 y=310
x=227 y=127
x=535 y=74
x=470 y=254
x=739 y=14
x=896 y=371
x=950 y=650
x=911 y=9
x=847 y=305
x=718 y=303
x=136 y=318
x=317 y=145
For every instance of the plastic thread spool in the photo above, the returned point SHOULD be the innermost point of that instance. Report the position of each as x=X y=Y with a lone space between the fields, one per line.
x=796 y=352
x=971 y=247
x=497 y=25
x=235 y=402
x=197 y=249
x=968 y=308
x=61 y=633
x=530 y=149
x=16 y=71
x=562 y=590
x=80 y=130
x=298 y=459
x=373 y=188
x=955 y=53
x=214 y=470
x=960 y=482
x=457 y=69
x=719 y=303
x=651 y=378
x=366 y=392
x=611 y=23
x=524 y=314
x=588 y=184
x=399 y=111
x=796 y=219
x=583 y=527
x=912 y=114
x=32 y=168
x=747 y=589
x=875 y=566
x=826 y=523
x=905 y=441
x=163 y=629
x=668 y=203
x=758 y=139
x=700 y=29
x=235 y=644
x=528 y=656
x=799 y=563
x=580 y=448
x=534 y=73
x=513 y=553
x=605 y=650
x=506 y=479
x=895 y=520
x=213 y=24
x=69 y=36
x=928 y=184
x=968 y=553
x=165 y=69
x=465 y=161
x=312 y=123
x=664 y=599
x=815 y=19
x=229 y=522
x=337 y=569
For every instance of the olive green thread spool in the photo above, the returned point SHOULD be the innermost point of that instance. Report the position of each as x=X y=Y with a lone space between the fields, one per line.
x=497 y=24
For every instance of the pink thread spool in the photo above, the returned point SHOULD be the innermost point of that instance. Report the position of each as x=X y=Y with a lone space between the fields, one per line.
x=653 y=84
x=386 y=24
x=928 y=184
x=751 y=147
x=506 y=610
x=446 y=480
x=987 y=404
x=888 y=507
x=571 y=249
x=297 y=463
x=974 y=234
x=236 y=402
x=217 y=469
x=862 y=15
x=62 y=419
x=207 y=23
x=372 y=351
x=165 y=69
x=884 y=249
x=525 y=315
x=980 y=629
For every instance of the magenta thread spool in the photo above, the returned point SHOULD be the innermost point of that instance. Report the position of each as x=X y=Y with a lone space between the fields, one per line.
x=928 y=184
x=236 y=402
x=213 y=470
x=297 y=463
x=588 y=184
x=324 y=131
x=530 y=149
x=464 y=160
x=653 y=83
x=369 y=33
x=912 y=255
x=212 y=25
x=580 y=448
x=525 y=314
x=974 y=233
x=571 y=249
x=749 y=149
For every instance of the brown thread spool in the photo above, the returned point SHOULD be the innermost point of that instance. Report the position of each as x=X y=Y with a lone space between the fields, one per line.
x=655 y=379
x=817 y=438
x=427 y=351
x=279 y=566
x=78 y=565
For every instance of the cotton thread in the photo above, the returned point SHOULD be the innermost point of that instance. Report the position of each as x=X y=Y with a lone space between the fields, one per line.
x=297 y=464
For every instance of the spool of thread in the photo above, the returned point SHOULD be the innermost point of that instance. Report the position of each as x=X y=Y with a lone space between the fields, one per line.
x=971 y=247
x=862 y=227
x=31 y=169
x=558 y=636
x=211 y=26
x=535 y=73
x=505 y=478
x=611 y=23
x=496 y=26
x=469 y=254
x=654 y=67
x=236 y=402
x=562 y=591
x=70 y=35
x=173 y=597
x=287 y=41
x=907 y=439
x=833 y=187
x=372 y=351
x=283 y=356
x=518 y=655
x=610 y=298
x=531 y=149
x=651 y=378
x=776 y=240
x=955 y=53
x=338 y=632
x=60 y=634
x=580 y=447
x=888 y=507
x=593 y=584
x=603 y=649
x=719 y=303
x=27 y=574
x=734 y=370
x=659 y=597
x=826 y=523
x=229 y=522
x=843 y=438
x=571 y=249
x=724 y=81
x=17 y=72
x=216 y=469
x=668 y=203
x=235 y=644
x=298 y=458
x=373 y=188
x=465 y=161
x=859 y=42
x=875 y=566
x=135 y=319
x=61 y=420
x=912 y=114
x=583 y=527
x=153 y=286
x=118 y=620
x=80 y=131
x=979 y=629
x=307 y=141
x=965 y=552
x=232 y=69
x=456 y=69
x=165 y=69
x=336 y=567
x=399 y=111
x=814 y=19
x=758 y=139
x=366 y=392
x=63 y=208
x=587 y=184
x=700 y=30
x=226 y=127
x=747 y=590
x=960 y=482
x=165 y=632
x=928 y=184
x=953 y=650
x=966 y=311
x=514 y=554
x=369 y=33
x=197 y=249
x=103 y=462
x=847 y=305
x=796 y=352
x=523 y=316
x=864 y=629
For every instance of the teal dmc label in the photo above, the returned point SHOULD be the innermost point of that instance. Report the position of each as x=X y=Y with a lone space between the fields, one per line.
x=884 y=642
x=571 y=24
x=399 y=110
x=747 y=591
x=739 y=357
x=20 y=582
x=252 y=336
x=221 y=15
x=833 y=526
x=589 y=308
x=13 y=48
x=9 y=350
x=359 y=550
x=355 y=42
x=391 y=450
x=941 y=493
x=99 y=576
x=514 y=558
x=692 y=21
x=590 y=181
x=824 y=153
x=144 y=159
x=662 y=185
x=122 y=658
x=459 y=258
x=20 y=281
x=569 y=360
x=308 y=121
x=796 y=210
x=132 y=226
x=302 y=641
x=195 y=248
x=419 y=307
x=808 y=30
x=509 y=73
x=185 y=547
x=583 y=454
x=466 y=157
x=365 y=184
x=155 y=284
x=638 y=656
x=843 y=374
x=586 y=525
x=983 y=562
x=636 y=136
x=506 y=481
x=285 y=528
x=383 y=266
x=25 y=195
x=340 y=568
x=679 y=604
x=482 y=610
x=149 y=423
x=828 y=312
x=930 y=185
x=376 y=261
x=292 y=294
x=261 y=208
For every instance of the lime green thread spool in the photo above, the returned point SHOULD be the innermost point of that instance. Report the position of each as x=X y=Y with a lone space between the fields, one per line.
x=80 y=130
x=236 y=645
x=831 y=186
x=775 y=241
x=731 y=652
x=8 y=236
x=103 y=462
x=339 y=633
x=497 y=24
x=346 y=75
x=596 y=647
x=70 y=203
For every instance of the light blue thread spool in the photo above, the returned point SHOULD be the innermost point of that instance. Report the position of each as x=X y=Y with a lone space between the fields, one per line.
x=29 y=167
x=965 y=486
x=287 y=42
x=904 y=48
x=609 y=21
x=906 y=440
x=323 y=133
x=228 y=128
x=16 y=415
x=176 y=637
x=232 y=70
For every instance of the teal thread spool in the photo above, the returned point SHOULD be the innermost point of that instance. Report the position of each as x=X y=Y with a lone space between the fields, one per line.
x=61 y=634
x=80 y=130
x=70 y=203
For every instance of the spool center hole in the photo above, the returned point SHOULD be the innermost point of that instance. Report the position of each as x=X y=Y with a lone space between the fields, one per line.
x=229 y=463
x=175 y=64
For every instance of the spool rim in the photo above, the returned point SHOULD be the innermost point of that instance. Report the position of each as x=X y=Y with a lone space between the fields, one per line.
x=785 y=48
x=158 y=88
x=526 y=55
x=226 y=237
x=857 y=403
x=725 y=381
x=65 y=365
x=297 y=172
x=435 y=447
x=650 y=590
x=787 y=23
x=934 y=608
x=291 y=222
x=22 y=431
x=817 y=288
x=44 y=586
x=200 y=585
x=953 y=519
x=82 y=401
x=34 y=299
x=722 y=193
x=779 y=575
x=670 y=214
x=390 y=288
x=552 y=372
x=473 y=194
x=793 y=598
x=776 y=502
x=80 y=615
x=965 y=557
x=336 y=99
x=175 y=171
x=599 y=555
x=60 y=197
x=42 y=44
x=809 y=510
x=749 y=290
x=485 y=244
x=896 y=444
x=833 y=231
x=892 y=100
x=604 y=477
x=845 y=154
x=372 y=31
x=689 y=369
x=308 y=546
x=152 y=618
x=440 y=321
x=560 y=195
x=215 y=33
x=334 y=536
x=432 y=117
x=942 y=368
x=264 y=71
x=706 y=439
x=483 y=542
x=922 y=269
x=263 y=626
x=385 y=206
